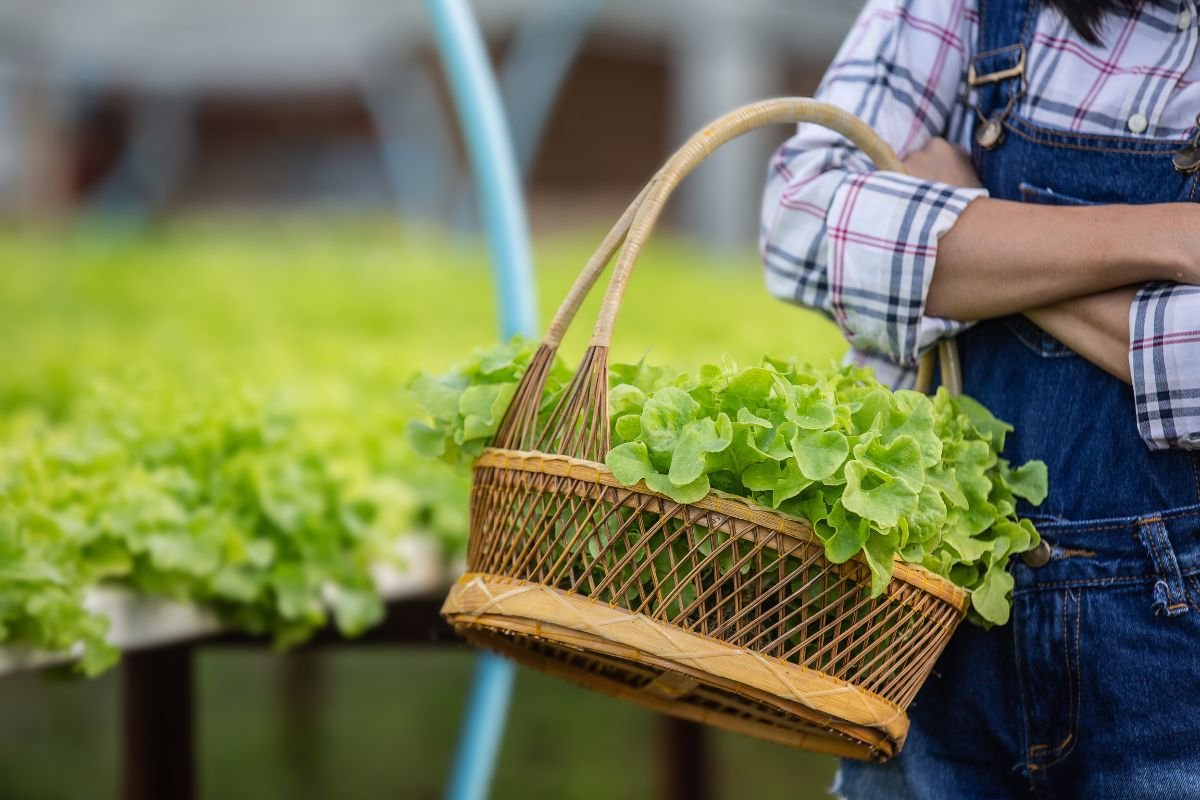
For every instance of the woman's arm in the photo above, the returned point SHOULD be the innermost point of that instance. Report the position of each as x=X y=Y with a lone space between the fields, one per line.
x=1148 y=336
x=1003 y=257
x=839 y=235
x=1164 y=354
x=1095 y=327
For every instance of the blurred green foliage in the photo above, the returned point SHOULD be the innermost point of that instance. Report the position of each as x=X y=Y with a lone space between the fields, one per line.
x=350 y=309
x=327 y=321
x=215 y=411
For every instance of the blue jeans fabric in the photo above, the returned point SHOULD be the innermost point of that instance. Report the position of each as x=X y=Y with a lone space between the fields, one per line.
x=1093 y=689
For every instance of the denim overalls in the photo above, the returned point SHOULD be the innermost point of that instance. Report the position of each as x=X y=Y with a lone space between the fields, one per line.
x=1093 y=689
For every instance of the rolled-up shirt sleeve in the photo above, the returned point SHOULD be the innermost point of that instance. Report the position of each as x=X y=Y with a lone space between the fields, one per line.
x=1164 y=359
x=858 y=243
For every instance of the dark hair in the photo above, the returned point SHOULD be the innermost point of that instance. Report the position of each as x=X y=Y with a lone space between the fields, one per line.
x=1085 y=15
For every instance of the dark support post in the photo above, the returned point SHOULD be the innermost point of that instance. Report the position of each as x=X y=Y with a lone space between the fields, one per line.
x=301 y=698
x=157 y=718
x=686 y=770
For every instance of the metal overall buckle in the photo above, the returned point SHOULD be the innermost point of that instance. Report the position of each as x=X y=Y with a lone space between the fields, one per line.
x=990 y=132
x=1187 y=160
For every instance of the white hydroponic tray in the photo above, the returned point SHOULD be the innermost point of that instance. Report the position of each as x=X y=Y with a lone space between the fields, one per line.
x=137 y=621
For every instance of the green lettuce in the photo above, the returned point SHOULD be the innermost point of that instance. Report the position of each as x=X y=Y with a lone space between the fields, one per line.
x=879 y=473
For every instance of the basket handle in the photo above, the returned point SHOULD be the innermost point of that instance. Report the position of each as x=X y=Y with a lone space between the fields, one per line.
x=592 y=270
x=635 y=224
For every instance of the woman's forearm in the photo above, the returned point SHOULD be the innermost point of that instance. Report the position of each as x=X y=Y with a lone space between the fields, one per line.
x=1073 y=271
x=1003 y=257
x=1095 y=327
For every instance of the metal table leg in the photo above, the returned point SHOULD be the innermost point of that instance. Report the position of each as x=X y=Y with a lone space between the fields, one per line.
x=302 y=695
x=157 y=724
x=686 y=767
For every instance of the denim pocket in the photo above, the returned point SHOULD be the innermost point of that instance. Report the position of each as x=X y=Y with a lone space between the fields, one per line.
x=1050 y=664
x=1044 y=195
x=1037 y=340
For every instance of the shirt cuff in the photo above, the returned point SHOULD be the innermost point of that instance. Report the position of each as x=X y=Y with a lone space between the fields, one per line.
x=883 y=230
x=1164 y=361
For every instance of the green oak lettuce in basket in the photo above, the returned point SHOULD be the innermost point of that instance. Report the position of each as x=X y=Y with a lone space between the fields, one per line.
x=466 y=405
x=882 y=473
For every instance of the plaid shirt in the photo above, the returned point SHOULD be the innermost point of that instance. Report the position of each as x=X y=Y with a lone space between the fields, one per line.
x=860 y=244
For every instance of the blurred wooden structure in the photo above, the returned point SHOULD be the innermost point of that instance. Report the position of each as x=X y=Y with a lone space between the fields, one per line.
x=336 y=103
x=160 y=640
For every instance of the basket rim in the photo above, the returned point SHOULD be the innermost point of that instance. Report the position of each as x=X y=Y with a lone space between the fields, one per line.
x=721 y=502
x=476 y=596
x=494 y=635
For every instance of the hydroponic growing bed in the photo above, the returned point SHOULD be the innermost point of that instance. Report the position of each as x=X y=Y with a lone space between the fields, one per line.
x=312 y=332
x=217 y=424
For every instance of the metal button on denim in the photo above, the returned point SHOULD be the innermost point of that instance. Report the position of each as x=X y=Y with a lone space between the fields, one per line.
x=1038 y=556
x=990 y=133
x=1138 y=123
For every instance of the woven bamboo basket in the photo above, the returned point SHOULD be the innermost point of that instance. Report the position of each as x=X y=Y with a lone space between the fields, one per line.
x=719 y=611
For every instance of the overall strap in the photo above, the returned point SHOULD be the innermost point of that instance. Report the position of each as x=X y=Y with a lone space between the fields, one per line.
x=996 y=74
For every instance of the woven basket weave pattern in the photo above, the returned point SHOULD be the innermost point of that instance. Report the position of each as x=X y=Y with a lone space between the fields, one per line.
x=719 y=611
x=705 y=572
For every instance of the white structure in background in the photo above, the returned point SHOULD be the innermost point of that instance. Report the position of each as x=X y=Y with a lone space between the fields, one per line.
x=722 y=54
x=138 y=621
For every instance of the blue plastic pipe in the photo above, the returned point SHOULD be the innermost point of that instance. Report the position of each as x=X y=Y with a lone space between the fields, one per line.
x=477 y=100
x=489 y=145
x=536 y=64
x=483 y=728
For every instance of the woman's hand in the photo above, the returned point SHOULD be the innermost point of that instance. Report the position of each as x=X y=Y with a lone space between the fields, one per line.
x=1095 y=327
x=941 y=161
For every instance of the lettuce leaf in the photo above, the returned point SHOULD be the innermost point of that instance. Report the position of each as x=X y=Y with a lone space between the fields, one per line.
x=880 y=475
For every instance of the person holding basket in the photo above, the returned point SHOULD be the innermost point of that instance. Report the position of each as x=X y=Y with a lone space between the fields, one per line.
x=1049 y=222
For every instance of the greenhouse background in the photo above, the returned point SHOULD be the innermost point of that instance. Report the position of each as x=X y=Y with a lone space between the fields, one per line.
x=226 y=221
